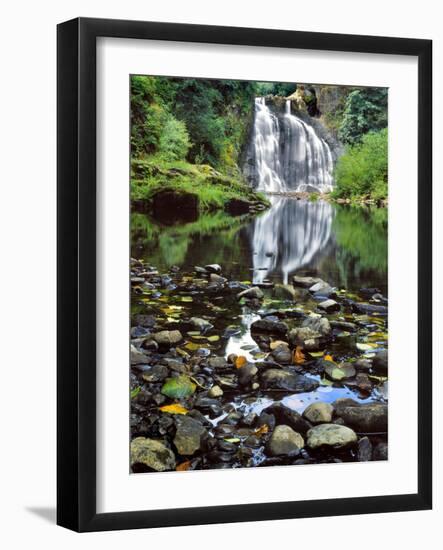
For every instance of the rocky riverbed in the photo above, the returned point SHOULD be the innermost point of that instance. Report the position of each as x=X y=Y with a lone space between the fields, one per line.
x=227 y=374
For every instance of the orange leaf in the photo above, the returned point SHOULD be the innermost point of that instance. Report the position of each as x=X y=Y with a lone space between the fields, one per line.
x=262 y=430
x=175 y=408
x=240 y=362
x=183 y=466
x=299 y=356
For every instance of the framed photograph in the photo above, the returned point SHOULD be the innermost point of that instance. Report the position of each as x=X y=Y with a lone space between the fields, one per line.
x=244 y=274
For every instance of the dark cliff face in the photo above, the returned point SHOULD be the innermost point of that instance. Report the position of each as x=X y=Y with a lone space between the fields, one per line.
x=292 y=169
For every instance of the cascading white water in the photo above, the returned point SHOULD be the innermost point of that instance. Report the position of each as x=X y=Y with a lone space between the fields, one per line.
x=288 y=154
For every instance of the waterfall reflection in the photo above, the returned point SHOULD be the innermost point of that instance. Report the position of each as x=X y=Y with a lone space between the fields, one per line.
x=289 y=235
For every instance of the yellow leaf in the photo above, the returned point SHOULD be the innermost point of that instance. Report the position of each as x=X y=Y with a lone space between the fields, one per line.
x=262 y=430
x=328 y=357
x=240 y=361
x=175 y=408
x=183 y=466
x=299 y=356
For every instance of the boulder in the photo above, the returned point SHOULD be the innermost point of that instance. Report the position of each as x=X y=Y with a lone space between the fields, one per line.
x=217 y=363
x=317 y=287
x=342 y=402
x=289 y=417
x=189 y=434
x=380 y=452
x=284 y=441
x=364 y=453
x=331 y=435
x=200 y=324
x=380 y=362
x=137 y=357
x=279 y=379
x=215 y=391
x=213 y=268
x=284 y=292
x=329 y=306
x=371 y=417
x=217 y=279
x=282 y=354
x=250 y=293
x=246 y=374
x=306 y=282
x=152 y=453
x=157 y=373
x=273 y=327
x=168 y=338
x=318 y=324
x=339 y=372
x=319 y=413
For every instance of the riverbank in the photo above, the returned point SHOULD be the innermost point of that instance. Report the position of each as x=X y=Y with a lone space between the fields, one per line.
x=304 y=195
x=178 y=187
x=228 y=374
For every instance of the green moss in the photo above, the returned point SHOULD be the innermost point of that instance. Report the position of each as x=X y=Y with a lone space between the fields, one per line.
x=155 y=174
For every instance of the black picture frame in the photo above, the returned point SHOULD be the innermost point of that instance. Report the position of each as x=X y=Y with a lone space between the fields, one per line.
x=76 y=295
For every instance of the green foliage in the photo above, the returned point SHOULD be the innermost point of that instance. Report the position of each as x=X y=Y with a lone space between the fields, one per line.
x=363 y=169
x=174 y=141
x=365 y=111
x=213 y=189
x=283 y=89
x=361 y=232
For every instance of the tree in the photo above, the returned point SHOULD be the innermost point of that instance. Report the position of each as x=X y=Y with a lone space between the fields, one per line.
x=365 y=111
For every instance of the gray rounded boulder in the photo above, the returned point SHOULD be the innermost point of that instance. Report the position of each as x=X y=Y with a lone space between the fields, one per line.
x=331 y=435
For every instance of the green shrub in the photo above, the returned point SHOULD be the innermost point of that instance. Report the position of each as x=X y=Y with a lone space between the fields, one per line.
x=174 y=141
x=363 y=169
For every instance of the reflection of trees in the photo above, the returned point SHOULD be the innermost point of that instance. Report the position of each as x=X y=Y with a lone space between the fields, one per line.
x=361 y=236
x=170 y=245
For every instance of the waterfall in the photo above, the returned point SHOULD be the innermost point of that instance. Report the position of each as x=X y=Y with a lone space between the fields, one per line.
x=288 y=153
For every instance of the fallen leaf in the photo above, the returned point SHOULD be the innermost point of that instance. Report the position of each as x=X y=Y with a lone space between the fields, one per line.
x=299 y=356
x=175 y=408
x=214 y=338
x=135 y=392
x=178 y=387
x=183 y=466
x=328 y=357
x=240 y=361
x=262 y=430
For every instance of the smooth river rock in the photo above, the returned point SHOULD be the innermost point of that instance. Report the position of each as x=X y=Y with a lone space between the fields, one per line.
x=279 y=379
x=152 y=453
x=331 y=435
x=319 y=413
x=371 y=417
x=273 y=327
x=284 y=441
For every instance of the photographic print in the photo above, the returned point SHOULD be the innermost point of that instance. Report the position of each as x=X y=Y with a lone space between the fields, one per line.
x=258 y=274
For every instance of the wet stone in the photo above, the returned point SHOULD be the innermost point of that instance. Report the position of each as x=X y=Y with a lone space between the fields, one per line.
x=280 y=379
x=266 y=325
x=329 y=306
x=151 y=453
x=189 y=434
x=284 y=441
x=318 y=413
x=364 y=452
x=330 y=435
x=251 y=293
x=157 y=373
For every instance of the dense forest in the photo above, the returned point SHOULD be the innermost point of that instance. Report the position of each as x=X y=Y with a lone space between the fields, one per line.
x=197 y=130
